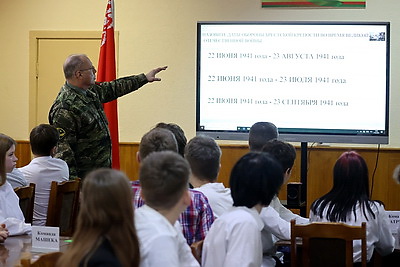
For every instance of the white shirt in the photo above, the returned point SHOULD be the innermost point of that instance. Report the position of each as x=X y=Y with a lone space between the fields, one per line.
x=218 y=196
x=42 y=171
x=276 y=219
x=16 y=178
x=10 y=212
x=285 y=213
x=379 y=236
x=234 y=240
x=161 y=243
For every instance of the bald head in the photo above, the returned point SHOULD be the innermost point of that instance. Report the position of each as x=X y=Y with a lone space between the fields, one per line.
x=72 y=64
x=79 y=71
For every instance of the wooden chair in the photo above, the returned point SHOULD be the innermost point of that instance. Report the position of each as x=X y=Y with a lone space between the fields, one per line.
x=63 y=206
x=326 y=244
x=197 y=248
x=26 y=196
x=45 y=260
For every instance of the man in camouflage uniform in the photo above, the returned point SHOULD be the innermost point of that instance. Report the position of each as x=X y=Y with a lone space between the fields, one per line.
x=77 y=112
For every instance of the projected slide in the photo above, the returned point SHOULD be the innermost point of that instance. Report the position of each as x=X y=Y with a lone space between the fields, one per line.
x=297 y=76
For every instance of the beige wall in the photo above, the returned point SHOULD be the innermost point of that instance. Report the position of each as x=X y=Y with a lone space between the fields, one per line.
x=153 y=33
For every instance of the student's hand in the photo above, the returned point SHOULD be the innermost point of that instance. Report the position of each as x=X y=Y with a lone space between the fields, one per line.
x=151 y=76
x=3 y=233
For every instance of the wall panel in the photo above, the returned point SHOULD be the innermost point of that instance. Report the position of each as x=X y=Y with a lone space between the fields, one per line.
x=320 y=165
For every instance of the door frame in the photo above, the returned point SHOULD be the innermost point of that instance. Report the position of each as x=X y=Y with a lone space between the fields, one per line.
x=34 y=38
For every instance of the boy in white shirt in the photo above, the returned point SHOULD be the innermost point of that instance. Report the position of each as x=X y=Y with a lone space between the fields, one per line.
x=276 y=217
x=43 y=169
x=164 y=180
x=203 y=155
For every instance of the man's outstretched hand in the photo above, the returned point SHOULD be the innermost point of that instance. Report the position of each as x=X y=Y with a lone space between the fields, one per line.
x=151 y=76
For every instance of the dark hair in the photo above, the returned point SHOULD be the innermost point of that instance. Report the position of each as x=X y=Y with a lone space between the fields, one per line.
x=72 y=64
x=178 y=133
x=157 y=139
x=255 y=178
x=163 y=178
x=350 y=188
x=284 y=152
x=43 y=139
x=260 y=133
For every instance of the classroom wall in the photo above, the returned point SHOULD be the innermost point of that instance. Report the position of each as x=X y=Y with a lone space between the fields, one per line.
x=153 y=33
x=320 y=165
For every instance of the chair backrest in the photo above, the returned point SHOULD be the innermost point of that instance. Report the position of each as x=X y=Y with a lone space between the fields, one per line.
x=63 y=206
x=326 y=244
x=197 y=248
x=45 y=260
x=26 y=196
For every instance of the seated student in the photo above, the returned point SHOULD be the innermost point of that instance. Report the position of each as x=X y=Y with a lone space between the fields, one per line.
x=178 y=133
x=164 y=178
x=285 y=153
x=105 y=234
x=179 y=136
x=396 y=177
x=16 y=178
x=196 y=220
x=11 y=215
x=349 y=202
x=43 y=169
x=203 y=155
x=157 y=139
x=260 y=133
x=235 y=237
x=276 y=217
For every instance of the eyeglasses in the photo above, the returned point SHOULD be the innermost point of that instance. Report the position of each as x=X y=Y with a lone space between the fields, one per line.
x=91 y=68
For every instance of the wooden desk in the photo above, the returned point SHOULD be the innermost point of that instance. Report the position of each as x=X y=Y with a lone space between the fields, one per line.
x=17 y=247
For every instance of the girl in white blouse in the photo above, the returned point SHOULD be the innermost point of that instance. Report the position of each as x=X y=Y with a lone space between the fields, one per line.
x=235 y=237
x=349 y=202
x=11 y=215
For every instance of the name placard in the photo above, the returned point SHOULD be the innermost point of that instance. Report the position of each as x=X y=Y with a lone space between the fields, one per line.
x=45 y=238
x=394 y=219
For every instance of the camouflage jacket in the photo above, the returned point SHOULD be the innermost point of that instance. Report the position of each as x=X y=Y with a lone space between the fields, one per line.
x=85 y=142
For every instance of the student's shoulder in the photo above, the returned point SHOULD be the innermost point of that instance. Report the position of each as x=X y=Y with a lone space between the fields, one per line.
x=239 y=215
x=199 y=201
x=59 y=162
x=377 y=207
x=151 y=221
x=152 y=231
x=104 y=256
x=197 y=195
x=66 y=99
x=236 y=221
